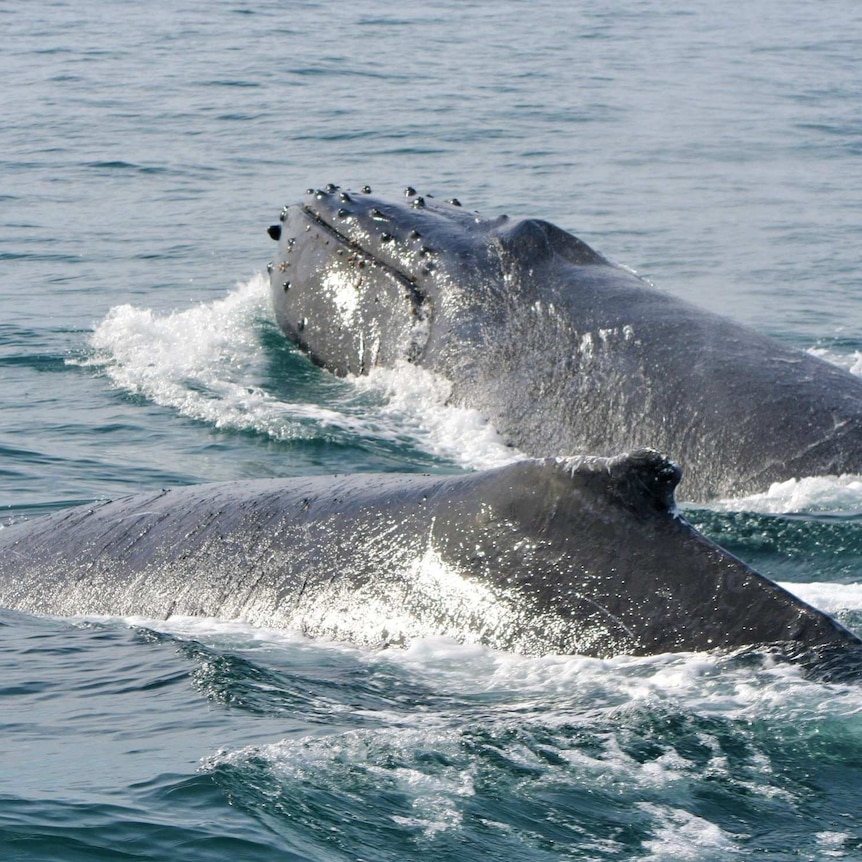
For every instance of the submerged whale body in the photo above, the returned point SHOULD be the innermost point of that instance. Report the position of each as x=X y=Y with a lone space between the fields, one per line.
x=580 y=555
x=561 y=350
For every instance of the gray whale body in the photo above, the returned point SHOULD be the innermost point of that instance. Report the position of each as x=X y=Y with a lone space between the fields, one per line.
x=561 y=350
x=579 y=555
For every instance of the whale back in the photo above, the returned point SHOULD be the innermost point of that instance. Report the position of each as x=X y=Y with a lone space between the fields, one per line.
x=561 y=350
x=583 y=555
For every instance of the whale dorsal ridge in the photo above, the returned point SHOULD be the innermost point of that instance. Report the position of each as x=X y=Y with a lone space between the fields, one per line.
x=643 y=480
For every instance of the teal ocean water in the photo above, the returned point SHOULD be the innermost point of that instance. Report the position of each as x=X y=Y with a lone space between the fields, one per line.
x=144 y=149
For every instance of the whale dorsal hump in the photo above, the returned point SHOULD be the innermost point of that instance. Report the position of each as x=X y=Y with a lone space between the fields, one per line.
x=532 y=239
x=642 y=481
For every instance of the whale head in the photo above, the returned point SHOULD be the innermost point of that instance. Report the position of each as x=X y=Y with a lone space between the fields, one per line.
x=358 y=279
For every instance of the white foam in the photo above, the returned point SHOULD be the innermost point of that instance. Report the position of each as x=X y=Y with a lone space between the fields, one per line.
x=810 y=494
x=207 y=361
x=700 y=679
x=388 y=759
x=835 y=844
x=531 y=704
x=417 y=400
x=497 y=714
x=829 y=597
x=679 y=836
x=453 y=665
x=851 y=362
x=201 y=361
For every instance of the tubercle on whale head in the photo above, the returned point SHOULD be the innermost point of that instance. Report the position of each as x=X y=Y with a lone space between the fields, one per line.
x=416 y=234
x=408 y=233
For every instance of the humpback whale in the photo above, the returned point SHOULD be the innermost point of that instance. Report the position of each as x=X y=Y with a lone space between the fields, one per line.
x=583 y=555
x=563 y=351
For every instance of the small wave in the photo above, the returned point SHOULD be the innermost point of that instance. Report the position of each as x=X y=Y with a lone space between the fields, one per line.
x=418 y=401
x=211 y=363
x=199 y=361
x=207 y=362
x=485 y=729
x=204 y=629
x=829 y=597
x=851 y=362
x=678 y=835
x=809 y=495
x=470 y=669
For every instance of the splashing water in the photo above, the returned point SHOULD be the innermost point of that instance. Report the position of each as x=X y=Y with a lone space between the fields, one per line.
x=210 y=363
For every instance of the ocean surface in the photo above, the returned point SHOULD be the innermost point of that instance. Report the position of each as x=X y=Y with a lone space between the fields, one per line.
x=716 y=149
